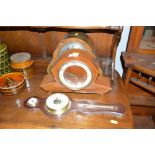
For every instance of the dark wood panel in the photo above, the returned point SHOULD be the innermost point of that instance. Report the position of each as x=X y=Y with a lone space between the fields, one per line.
x=143 y=122
x=40 y=65
x=135 y=90
x=55 y=38
x=49 y=44
x=135 y=39
x=102 y=43
x=142 y=100
x=143 y=110
x=81 y=27
x=24 y=41
x=42 y=44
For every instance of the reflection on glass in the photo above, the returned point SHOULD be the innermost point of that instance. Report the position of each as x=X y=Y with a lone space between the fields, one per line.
x=148 y=39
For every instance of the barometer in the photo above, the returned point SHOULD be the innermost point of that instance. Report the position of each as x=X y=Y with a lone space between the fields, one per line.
x=59 y=104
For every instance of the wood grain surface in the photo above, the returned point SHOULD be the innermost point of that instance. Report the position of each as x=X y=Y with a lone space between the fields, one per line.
x=41 y=42
x=13 y=115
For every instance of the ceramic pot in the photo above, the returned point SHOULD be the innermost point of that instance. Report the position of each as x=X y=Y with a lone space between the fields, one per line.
x=4 y=60
x=12 y=83
x=21 y=62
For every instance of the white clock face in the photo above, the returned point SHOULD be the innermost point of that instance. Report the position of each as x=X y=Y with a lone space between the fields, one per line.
x=75 y=75
x=71 y=45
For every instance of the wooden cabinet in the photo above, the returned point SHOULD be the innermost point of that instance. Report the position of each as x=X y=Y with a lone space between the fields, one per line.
x=41 y=42
x=141 y=40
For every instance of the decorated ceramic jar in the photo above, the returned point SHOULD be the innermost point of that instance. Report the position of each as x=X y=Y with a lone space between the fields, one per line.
x=4 y=59
x=12 y=83
x=21 y=62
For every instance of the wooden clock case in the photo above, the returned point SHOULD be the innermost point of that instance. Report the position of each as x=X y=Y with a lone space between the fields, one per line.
x=99 y=84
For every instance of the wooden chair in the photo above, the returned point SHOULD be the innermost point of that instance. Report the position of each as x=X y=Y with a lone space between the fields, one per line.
x=139 y=79
x=140 y=71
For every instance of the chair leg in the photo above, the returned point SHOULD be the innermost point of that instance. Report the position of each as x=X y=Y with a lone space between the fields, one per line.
x=153 y=117
x=127 y=78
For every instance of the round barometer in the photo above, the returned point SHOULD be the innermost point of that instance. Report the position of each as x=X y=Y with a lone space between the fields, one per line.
x=57 y=104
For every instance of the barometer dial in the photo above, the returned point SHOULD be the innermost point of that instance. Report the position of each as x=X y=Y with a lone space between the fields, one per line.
x=71 y=45
x=57 y=104
x=75 y=75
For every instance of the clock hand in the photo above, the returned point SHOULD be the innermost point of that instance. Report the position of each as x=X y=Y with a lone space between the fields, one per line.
x=72 y=75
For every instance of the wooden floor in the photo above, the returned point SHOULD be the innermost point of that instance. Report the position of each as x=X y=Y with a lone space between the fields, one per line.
x=143 y=122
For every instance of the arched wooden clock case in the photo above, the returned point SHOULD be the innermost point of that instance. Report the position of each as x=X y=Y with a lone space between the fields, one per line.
x=74 y=67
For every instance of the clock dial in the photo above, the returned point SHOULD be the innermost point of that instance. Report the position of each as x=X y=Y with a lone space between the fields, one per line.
x=75 y=75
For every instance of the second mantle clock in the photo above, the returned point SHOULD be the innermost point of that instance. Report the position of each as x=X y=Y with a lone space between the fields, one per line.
x=74 y=67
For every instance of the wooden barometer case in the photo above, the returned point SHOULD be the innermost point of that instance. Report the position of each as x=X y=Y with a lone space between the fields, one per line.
x=74 y=67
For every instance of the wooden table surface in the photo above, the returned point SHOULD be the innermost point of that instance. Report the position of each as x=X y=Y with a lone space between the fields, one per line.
x=13 y=115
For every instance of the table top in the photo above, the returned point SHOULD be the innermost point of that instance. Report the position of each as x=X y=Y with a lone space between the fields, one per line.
x=13 y=115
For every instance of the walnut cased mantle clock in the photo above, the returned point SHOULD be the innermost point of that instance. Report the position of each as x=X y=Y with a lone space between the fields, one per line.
x=74 y=67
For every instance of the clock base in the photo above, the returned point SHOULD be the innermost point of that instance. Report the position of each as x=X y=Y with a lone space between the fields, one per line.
x=101 y=85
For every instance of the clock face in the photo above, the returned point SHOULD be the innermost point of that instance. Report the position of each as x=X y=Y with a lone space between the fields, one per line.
x=71 y=45
x=75 y=75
